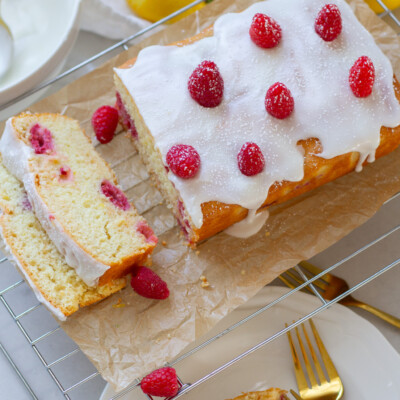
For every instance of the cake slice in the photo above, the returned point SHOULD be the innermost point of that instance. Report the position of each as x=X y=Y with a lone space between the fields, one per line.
x=75 y=196
x=262 y=107
x=270 y=394
x=55 y=283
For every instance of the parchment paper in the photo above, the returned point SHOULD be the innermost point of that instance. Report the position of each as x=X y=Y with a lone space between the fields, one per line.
x=126 y=336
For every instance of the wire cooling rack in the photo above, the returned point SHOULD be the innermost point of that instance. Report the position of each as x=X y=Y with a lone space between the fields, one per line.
x=57 y=353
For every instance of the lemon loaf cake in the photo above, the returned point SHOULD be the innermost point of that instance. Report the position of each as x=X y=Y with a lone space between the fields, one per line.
x=270 y=394
x=75 y=196
x=265 y=105
x=55 y=283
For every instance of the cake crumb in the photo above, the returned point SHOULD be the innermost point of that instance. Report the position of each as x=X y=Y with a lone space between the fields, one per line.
x=267 y=234
x=197 y=252
x=169 y=336
x=158 y=340
x=243 y=272
x=204 y=282
x=164 y=243
x=119 y=304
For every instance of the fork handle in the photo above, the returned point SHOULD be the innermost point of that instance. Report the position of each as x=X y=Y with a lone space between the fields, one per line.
x=373 y=310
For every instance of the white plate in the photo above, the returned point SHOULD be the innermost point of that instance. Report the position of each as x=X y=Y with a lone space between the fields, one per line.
x=44 y=32
x=367 y=363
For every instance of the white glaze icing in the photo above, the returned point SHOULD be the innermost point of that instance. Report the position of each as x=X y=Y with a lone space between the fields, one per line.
x=54 y=310
x=315 y=71
x=16 y=155
x=248 y=226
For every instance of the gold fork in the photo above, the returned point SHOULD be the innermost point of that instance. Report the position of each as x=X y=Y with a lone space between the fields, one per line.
x=332 y=286
x=324 y=389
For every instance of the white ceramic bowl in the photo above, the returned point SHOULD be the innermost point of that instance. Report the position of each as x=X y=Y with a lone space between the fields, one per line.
x=44 y=32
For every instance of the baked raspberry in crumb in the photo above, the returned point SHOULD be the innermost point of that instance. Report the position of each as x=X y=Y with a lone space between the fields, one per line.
x=279 y=101
x=250 y=159
x=147 y=283
x=26 y=204
x=147 y=232
x=104 y=123
x=264 y=31
x=65 y=172
x=362 y=77
x=183 y=160
x=162 y=382
x=124 y=117
x=115 y=195
x=328 y=23
x=206 y=85
x=41 y=139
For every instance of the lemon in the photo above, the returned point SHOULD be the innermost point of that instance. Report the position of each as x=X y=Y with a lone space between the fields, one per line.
x=153 y=10
x=391 y=4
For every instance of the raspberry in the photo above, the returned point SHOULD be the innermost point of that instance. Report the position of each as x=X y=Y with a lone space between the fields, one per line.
x=265 y=32
x=148 y=284
x=147 y=232
x=65 y=172
x=183 y=160
x=362 y=77
x=124 y=117
x=250 y=159
x=279 y=101
x=162 y=382
x=328 y=23
x=41 y=140
x=104 y=123
x=206 y=85
x=115 y=195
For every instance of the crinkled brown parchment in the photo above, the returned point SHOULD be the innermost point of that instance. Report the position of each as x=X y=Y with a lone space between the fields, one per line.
x=126 y=336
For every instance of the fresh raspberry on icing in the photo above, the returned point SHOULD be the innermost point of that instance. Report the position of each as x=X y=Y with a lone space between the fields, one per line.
x=148 y=284
x=183 y=160
x=279 y=101
x=41 y=139
x=206 y=85
x=328 y=23
x=362 y=77
x=250 y=159
x=115 y=195
x=104 y=123
x=264 y=31
x=162 y=382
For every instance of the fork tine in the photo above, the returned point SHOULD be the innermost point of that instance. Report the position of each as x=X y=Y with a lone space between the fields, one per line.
x=329 y=366
x=295 y=395
x=321 y=284
x=314 y=270
x=317 y=365
x=296 y=279
x=307 y=363
x=290 y=284
x=300 y=377
x=286 y=282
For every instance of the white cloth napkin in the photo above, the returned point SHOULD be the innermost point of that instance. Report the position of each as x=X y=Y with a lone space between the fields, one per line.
x=110 y=18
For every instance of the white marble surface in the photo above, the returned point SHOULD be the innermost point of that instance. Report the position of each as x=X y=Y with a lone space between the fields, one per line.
x=383 y=292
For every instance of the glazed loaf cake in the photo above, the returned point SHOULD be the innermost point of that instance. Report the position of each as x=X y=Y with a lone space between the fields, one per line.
x=75 y=196
x=231 y=122
x=55 y=283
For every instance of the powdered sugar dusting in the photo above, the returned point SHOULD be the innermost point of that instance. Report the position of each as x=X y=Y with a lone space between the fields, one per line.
x=316 y=73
